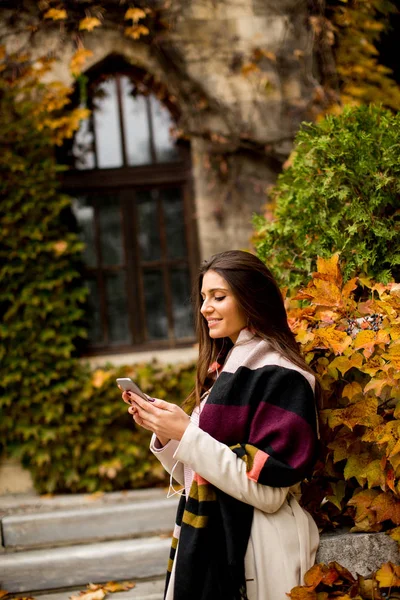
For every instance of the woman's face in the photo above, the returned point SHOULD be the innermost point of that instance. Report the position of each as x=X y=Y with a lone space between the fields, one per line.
x=220 y=309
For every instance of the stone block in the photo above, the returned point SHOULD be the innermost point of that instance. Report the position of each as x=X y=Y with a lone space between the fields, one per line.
x=359 y=552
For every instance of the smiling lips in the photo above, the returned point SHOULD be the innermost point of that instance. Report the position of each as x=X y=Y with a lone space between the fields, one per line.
x=212 y=322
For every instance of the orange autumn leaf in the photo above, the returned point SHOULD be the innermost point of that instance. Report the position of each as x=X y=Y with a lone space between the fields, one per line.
x=321 y=293
x=136 y=31
x=3 y=593
x=386 y=507
x=342 y=571
x=135 y=14
x=302 y=592
x=349 y=287
x=388 y=575
x=78 y=60
x=60 y=247
x=330 y=337
x=121 y=586
x=97 y=594
x=315 y=575
x=330 y=267
x=363 y=501
x=89 y=23
x=57 y=14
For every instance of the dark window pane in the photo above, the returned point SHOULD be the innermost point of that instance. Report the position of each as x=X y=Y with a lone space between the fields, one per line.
x=84 y=214
x=156 y=315
x=148 y=227
x=95 y=333
x=181 y=304
x=82 y=148
x=136 y=125
x=174 y=222
x=110 y=230
x=166 y=149
x=106 y=125
x=118 y=322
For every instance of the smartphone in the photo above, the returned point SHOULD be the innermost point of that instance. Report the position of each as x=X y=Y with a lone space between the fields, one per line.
x=127 y=385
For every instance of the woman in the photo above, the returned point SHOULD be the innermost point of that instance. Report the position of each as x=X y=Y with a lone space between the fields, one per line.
x=250 y=440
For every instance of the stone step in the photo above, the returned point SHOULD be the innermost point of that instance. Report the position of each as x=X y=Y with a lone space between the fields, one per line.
x=143 y=590
x=84 y=524
x=46 y=569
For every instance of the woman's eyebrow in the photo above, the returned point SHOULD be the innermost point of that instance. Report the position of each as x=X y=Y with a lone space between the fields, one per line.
x=215 y=290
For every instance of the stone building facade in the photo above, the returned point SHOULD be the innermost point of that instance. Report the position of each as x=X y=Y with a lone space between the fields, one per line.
x=237 y=78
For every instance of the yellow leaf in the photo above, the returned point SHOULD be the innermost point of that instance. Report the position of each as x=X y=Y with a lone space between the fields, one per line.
x=395 y=450
x=393 y=354
x=249 y=68
x=99 y=377
x=332 y=338
x=89 y=23
x=60 y=247
x=337 y=496
x=377 y=385
x=90 y=595
x=375 y=475
x=135 y=14
x=136 y=31
x=121 y=586
x=56 y=14
x=78 y=60
x=330 y=267
x=395 y=534
x=351 y=389
x=356 y=466
x=365 y=339
x=388 y=575
x=349 y=287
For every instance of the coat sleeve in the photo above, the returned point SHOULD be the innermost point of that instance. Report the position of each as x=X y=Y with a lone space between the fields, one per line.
x=215 y=462
x=165 y=455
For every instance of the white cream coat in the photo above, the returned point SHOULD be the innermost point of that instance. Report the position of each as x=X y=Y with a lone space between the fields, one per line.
x=284 y=538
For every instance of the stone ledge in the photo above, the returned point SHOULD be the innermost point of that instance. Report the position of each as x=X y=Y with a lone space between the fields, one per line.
x=360 y=553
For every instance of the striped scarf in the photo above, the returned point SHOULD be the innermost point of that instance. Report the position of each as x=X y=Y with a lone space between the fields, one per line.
x=262 y=407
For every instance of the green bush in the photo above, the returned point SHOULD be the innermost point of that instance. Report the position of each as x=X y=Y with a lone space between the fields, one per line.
x=341 y=193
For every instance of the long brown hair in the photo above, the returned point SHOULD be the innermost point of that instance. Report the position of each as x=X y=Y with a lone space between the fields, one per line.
x=258 y=295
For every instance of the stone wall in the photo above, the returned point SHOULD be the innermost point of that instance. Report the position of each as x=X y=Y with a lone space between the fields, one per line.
x=248 y=118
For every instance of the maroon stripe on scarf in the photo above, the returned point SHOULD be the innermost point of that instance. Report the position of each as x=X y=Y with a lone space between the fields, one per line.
x=277 y=425
x=225 y=423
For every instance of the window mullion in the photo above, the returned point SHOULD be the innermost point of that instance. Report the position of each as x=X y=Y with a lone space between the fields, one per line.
x=121 y=119
x=165 y=267
x=151 y=130
x=100 y=277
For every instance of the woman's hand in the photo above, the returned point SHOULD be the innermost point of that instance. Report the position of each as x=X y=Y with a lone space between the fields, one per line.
x=165 y=419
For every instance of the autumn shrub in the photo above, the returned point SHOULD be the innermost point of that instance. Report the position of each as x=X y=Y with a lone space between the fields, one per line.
x=350 y=335
x=95 y=445
x=332 y=581
x=341 y=192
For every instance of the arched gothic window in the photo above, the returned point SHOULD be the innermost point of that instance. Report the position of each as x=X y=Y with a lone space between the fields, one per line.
x=130 y=185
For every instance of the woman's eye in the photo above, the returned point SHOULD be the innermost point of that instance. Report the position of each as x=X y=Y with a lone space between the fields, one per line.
x=219 y=298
